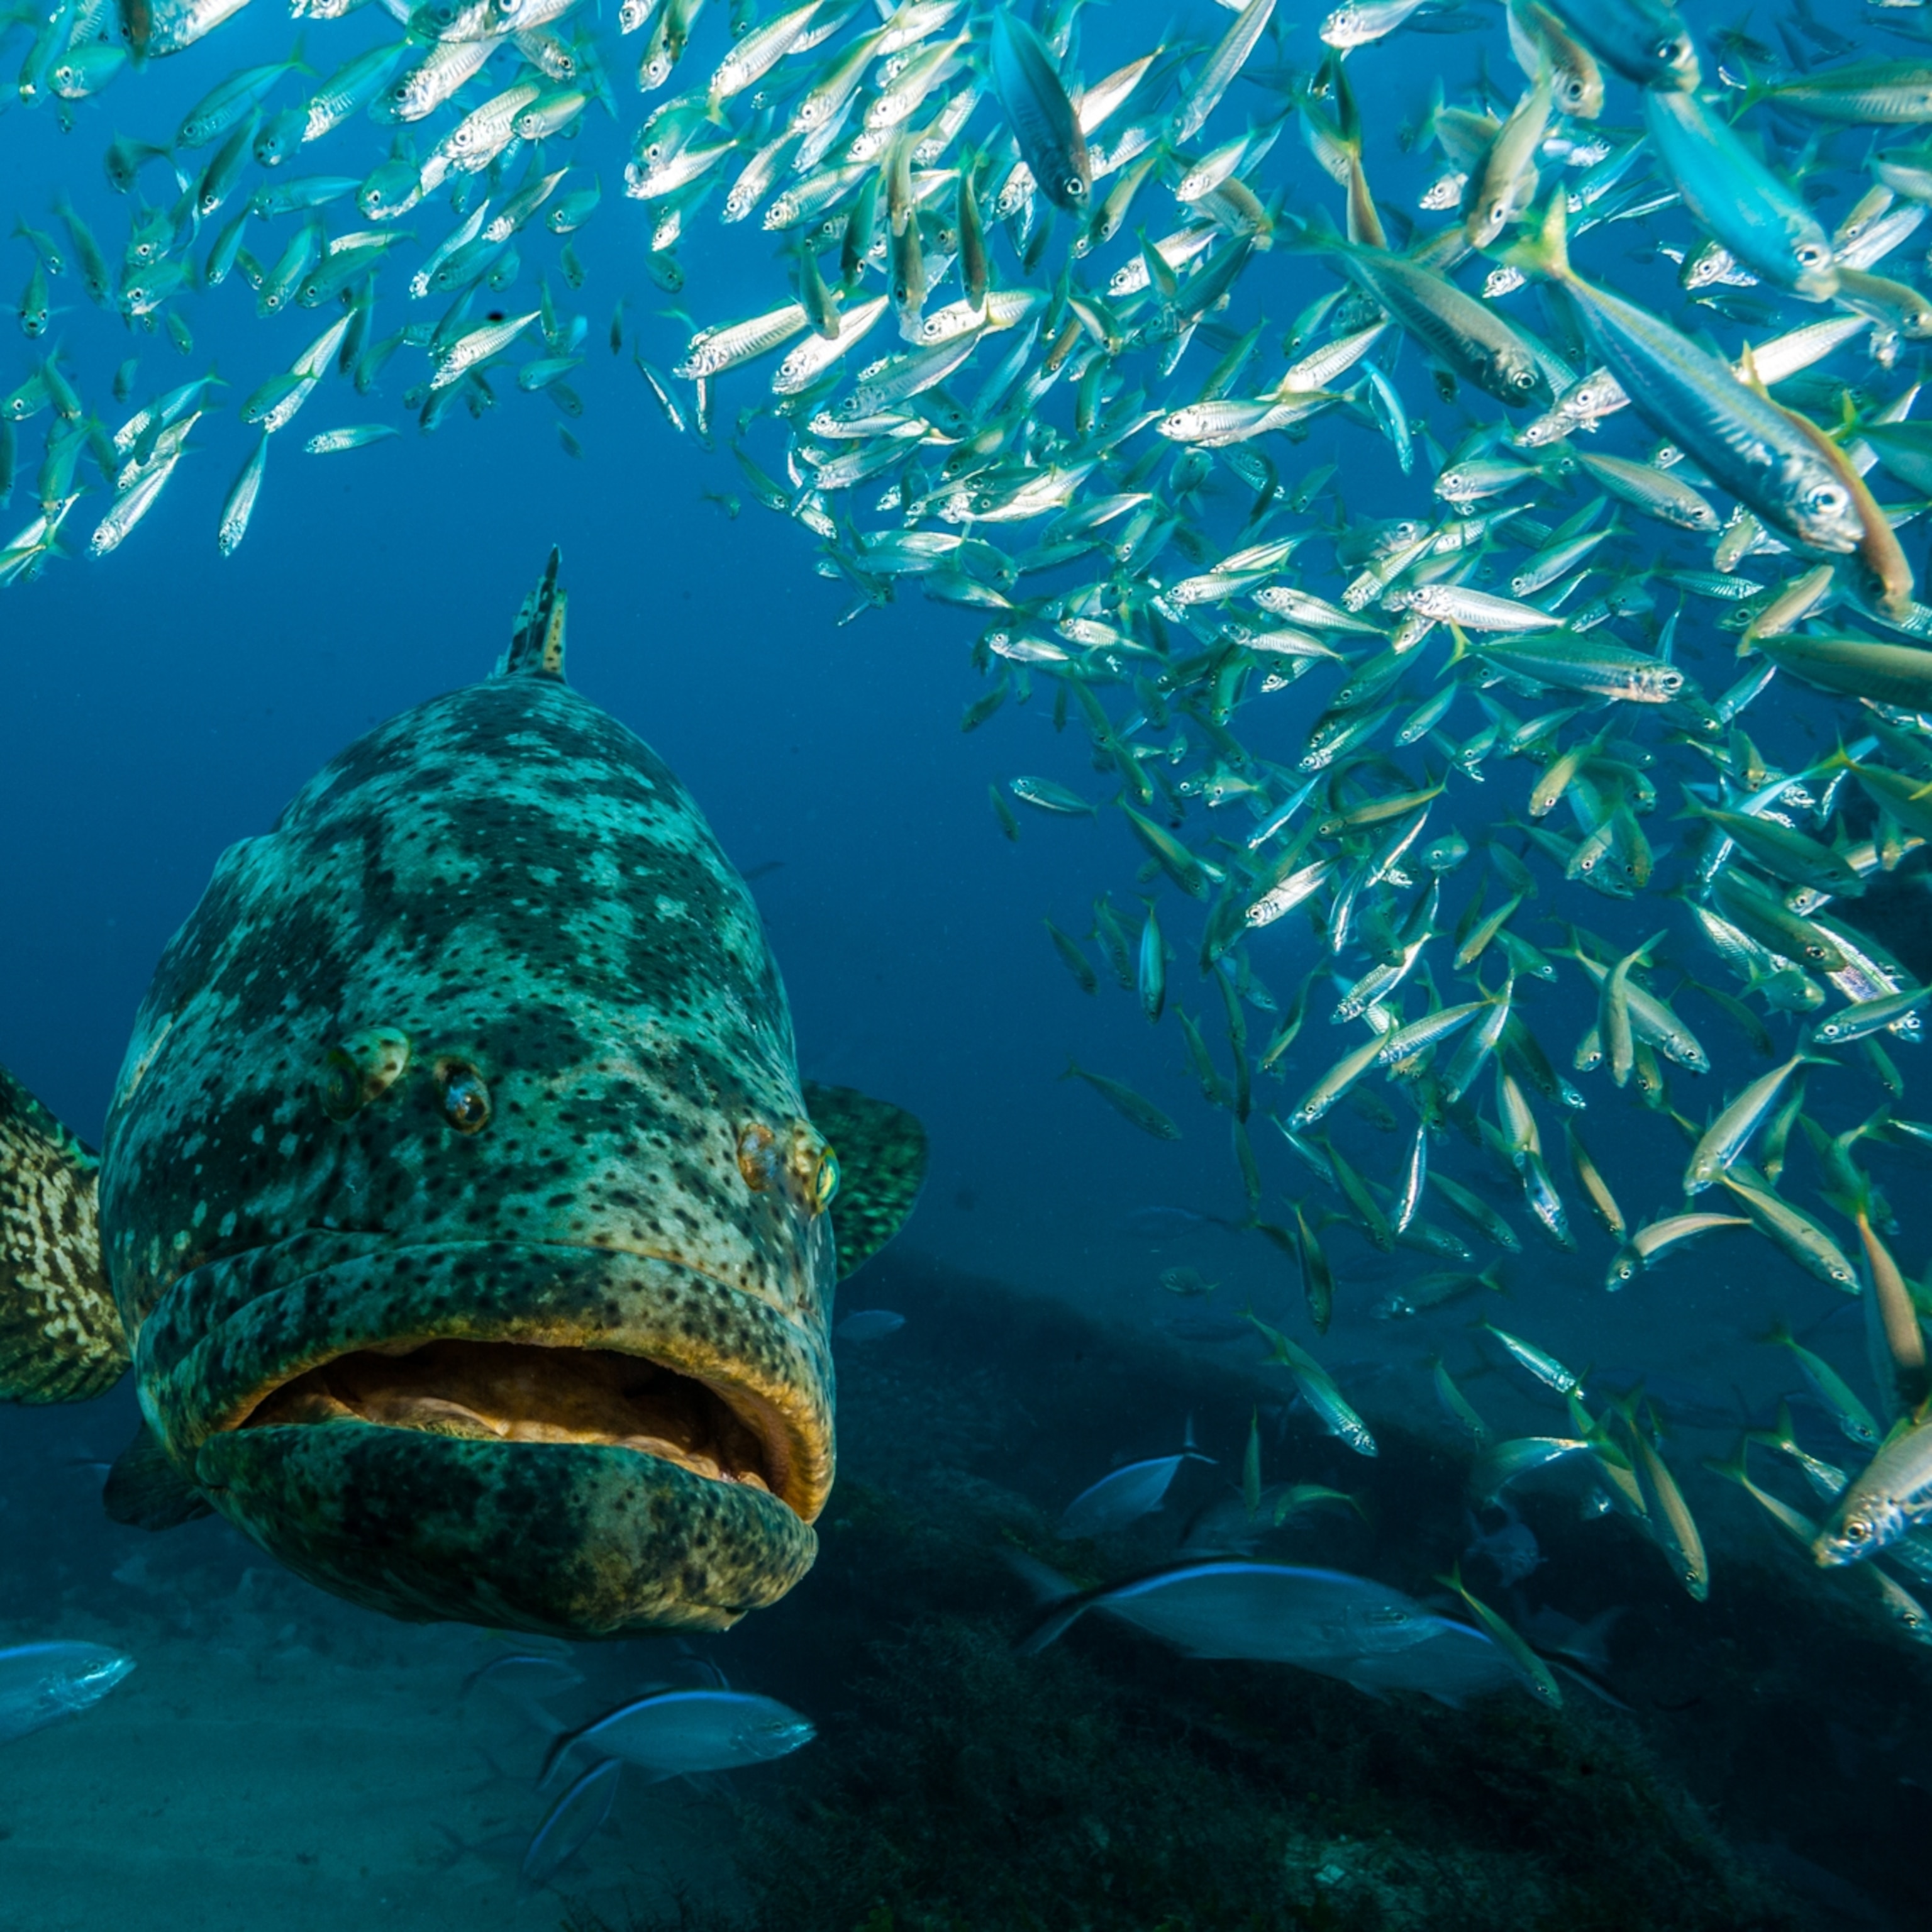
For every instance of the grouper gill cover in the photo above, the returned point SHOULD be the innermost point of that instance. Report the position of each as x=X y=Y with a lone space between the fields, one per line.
x=459 y=1205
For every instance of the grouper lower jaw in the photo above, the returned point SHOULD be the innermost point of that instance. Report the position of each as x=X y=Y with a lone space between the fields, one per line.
x=575 y=1540
x=548 y=1436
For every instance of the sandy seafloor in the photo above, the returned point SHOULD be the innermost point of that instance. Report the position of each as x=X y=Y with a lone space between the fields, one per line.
x=293 y=1763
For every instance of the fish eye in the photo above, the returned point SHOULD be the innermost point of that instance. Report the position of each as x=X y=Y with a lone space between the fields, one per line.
x=466 y=1099
x=1857 y=1530
x=812 y=1169
x=1524 y=379
x=824 y=1181
x=1827 y=499
x=1672 y=50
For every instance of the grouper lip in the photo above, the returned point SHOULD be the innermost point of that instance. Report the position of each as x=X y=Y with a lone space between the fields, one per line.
x=508 y=1342
x=522 y=1392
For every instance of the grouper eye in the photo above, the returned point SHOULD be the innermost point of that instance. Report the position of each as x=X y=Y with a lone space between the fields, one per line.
x=825 y=1181
x=361 y=1067
x=466 y=1099
x=811 y=1169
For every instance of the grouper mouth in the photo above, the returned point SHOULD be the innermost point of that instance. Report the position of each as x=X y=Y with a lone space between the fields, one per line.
x=341 y=1389
x=531 y=1436
x=517 y=1392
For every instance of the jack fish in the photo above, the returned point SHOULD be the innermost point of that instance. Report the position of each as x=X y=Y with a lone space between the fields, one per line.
x=459 y=1209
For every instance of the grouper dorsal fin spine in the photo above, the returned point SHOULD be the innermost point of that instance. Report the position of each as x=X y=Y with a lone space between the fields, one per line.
x=536 y=644
x=61 y=1336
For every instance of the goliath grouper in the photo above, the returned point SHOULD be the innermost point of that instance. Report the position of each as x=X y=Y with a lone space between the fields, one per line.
x=459 y=1209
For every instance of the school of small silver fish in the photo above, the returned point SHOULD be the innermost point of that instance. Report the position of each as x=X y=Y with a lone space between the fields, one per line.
x=1099 y=299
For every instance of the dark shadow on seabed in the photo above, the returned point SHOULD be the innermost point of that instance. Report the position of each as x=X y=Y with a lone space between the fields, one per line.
x=1770 y=1770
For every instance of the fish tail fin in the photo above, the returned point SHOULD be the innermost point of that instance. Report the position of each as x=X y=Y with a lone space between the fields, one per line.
x=536 y=644
x=1347 y=113
x=1604 y=1447
x=1545 y=253
x=1426 y=130
x=558 y=1754
x=1050 y=1627
x=1750 y=90
x=1061 y=1603
x=1734 y=1468
x=61 y=1336
x=598 y=75
x=1838 y=759
x=1854 y=1202
x=1314 y=233
x=1781 y=1436
x=1588 y=1644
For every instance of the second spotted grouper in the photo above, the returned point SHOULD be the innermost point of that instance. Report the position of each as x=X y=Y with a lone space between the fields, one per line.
x=460 y=1209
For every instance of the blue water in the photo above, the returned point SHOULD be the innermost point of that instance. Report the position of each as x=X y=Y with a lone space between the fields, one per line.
x=164 y=702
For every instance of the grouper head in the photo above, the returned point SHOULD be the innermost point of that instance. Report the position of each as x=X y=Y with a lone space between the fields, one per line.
x=471 y=1232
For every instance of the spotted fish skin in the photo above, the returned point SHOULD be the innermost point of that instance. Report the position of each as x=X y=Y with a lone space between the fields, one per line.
x=508 y=892
x=59 y=1325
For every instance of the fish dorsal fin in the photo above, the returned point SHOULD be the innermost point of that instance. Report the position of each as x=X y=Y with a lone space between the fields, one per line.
x=536 y=644
x=61 y=1337
x=881 y=1151
x=146 y=1491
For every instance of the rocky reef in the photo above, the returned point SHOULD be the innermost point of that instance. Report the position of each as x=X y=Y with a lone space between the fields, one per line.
x=1761 y=1746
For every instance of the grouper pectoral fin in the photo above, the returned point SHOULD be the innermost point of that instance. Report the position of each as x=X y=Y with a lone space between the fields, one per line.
x=881 y=1151
x=61 y=1337
x=146 y=1491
